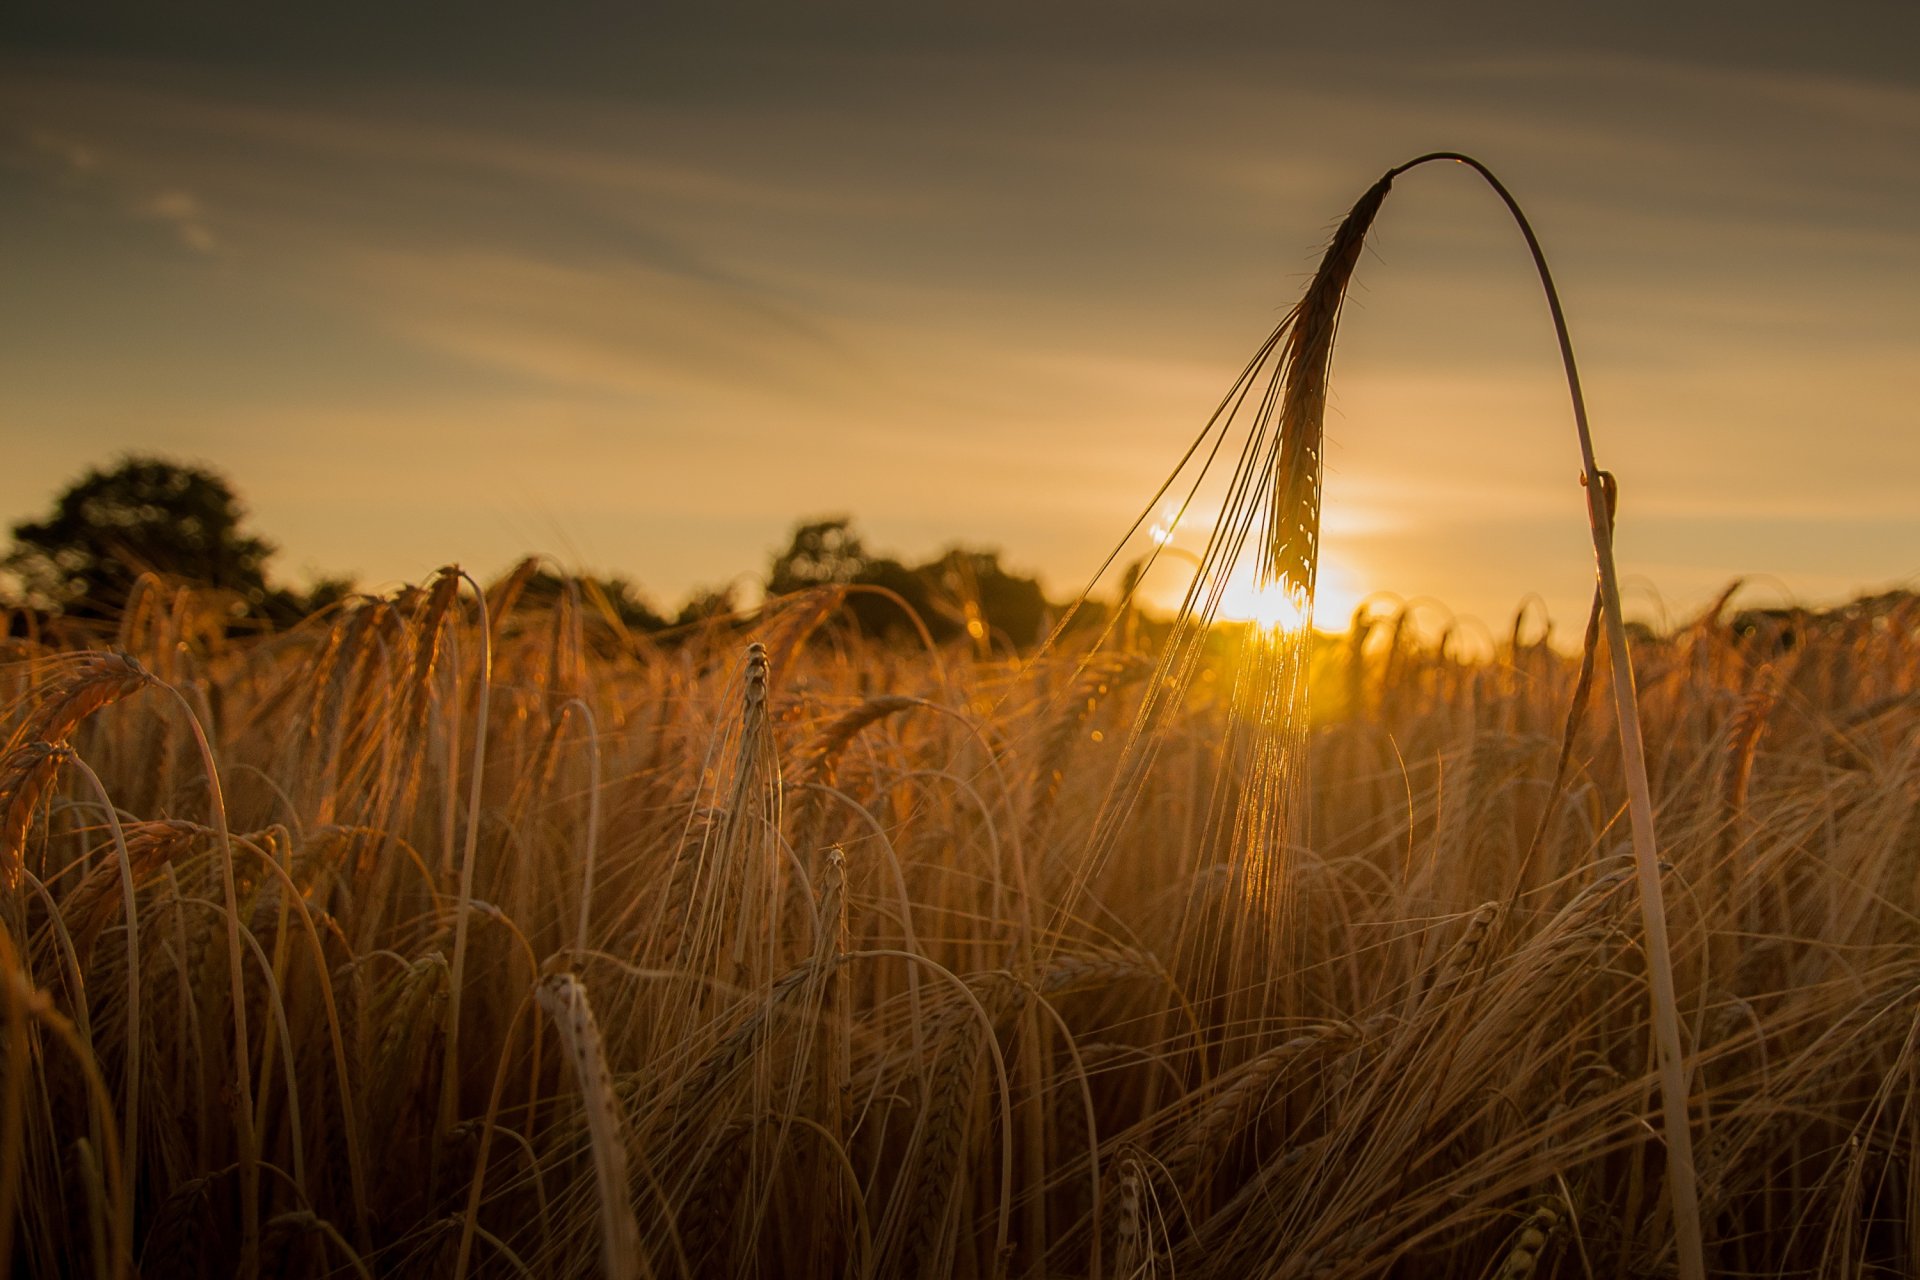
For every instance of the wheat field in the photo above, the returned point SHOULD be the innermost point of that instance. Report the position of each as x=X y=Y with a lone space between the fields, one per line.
x=540 y=949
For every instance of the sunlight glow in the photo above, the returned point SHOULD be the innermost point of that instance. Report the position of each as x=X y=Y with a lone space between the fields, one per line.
x=1274 y=606
x=1337 y=591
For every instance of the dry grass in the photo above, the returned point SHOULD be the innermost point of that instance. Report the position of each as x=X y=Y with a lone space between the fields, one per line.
x=914 y=1062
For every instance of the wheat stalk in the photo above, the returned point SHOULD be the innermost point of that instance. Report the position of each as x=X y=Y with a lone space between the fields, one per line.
x=565 y=999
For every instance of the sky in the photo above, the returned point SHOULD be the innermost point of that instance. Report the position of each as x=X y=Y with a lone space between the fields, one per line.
x=641 y=286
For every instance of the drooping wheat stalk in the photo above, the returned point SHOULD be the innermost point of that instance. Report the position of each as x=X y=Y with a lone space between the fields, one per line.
x=1665 y=1004
x=1273 y=495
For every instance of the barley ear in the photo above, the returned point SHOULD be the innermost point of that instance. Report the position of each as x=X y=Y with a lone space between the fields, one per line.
x=564 y=997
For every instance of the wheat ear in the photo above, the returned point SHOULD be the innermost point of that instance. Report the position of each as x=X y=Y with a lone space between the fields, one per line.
x=564 y=997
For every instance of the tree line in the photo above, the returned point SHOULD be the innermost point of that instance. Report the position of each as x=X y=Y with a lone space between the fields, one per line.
x=185 y=524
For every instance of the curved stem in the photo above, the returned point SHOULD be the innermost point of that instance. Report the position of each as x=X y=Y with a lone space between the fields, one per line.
x=245 y=1136
x=1666 y=1015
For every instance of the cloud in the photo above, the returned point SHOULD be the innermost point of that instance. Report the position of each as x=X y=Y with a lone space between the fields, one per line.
x=68 y=154
x=625 y=328
x=986 y=290
x=84 y=167
x=182 y=211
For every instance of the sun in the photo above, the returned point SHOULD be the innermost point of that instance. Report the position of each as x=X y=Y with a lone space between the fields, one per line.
x=1276 y=607
x=1273 y=605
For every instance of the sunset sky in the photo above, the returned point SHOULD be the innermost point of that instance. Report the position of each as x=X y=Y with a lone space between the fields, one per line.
x=640 y=287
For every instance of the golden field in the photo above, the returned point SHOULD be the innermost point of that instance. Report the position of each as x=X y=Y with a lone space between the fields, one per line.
x=497 y=941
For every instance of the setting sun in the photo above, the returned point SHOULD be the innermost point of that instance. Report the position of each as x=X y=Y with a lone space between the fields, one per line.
x=1336 y=593
x=1273 y=605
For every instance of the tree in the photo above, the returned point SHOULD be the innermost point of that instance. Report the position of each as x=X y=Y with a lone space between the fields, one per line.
x=822 y=553
x=959 y=592
x=145 y=515
x=614 y=599
x=979 y=591
x=708 y=604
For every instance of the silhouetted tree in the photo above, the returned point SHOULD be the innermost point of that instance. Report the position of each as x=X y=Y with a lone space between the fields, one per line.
x=707 y=604
x=959 y=592
x=978 y=589
x=615 y=599
x=145 y=515
x=879 y=614
x=821 y=553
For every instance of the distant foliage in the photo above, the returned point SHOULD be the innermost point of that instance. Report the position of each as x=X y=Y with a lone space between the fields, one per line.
x=823 y=552
x=186 y=525
x=960 y=592
x=613 y=599
x=144 y=515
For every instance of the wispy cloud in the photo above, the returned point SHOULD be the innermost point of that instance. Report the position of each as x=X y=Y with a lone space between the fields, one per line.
x=69 y=155
x=992 y=291
x=182 y=211
x=81 y=166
